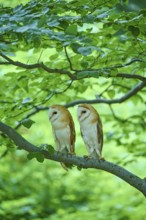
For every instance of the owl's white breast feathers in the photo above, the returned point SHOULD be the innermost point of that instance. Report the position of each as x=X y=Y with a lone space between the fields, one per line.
x=89 y=119
x=90 y=136
x=62 y=138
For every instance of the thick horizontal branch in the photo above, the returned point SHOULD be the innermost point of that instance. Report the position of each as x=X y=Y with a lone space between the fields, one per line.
x=130 y=178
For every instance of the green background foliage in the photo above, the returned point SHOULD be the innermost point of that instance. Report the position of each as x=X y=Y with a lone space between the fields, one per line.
x=94 y=41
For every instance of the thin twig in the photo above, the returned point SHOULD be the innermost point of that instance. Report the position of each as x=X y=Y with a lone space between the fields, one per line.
x=40 y=55
x=68 y=59
x=128 y=63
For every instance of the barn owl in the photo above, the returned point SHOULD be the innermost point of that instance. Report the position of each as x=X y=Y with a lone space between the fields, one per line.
x=91 y=129
x=63 y=129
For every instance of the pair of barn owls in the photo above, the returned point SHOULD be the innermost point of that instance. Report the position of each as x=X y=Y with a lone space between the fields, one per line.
x=64 y=130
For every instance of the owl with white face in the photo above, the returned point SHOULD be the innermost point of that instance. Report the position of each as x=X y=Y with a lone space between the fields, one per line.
x=63 y=129
x=91 y=129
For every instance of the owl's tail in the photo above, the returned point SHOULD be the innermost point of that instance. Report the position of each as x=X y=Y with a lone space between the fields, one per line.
x=66 y=166
x=96 y=155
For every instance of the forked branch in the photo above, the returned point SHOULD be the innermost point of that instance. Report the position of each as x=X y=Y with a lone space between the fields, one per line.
x=9 y=61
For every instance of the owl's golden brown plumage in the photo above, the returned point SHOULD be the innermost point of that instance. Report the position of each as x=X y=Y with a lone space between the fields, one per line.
x=91 y=129
x=63 y=129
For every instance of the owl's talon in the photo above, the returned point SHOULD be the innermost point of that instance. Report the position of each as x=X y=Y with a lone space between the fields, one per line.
x=71 y=153
x=101 y=158
x=87 y=157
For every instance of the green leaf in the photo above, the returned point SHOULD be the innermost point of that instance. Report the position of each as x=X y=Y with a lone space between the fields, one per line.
x=85 y=50
x=27 y=122
x=64 y=24
x=89 y=18
x=113 y=72
x=4 y=46
x=31 y=155
x=54 y=56
x=42 y=21
x=111 y=93
x=50 y=149
x=45 y=10
x=27 y=27
x=79 y=168
x=72 y=30
x=84 y=64
x=103 y=15
x=134 y=30
x=38 y=155
x=75 y=47
x=53 y=23
x=26 y=100
x=85 y=74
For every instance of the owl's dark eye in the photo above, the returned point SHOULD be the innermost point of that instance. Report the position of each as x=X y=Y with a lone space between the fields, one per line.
x=54 y=113
x=83 y=112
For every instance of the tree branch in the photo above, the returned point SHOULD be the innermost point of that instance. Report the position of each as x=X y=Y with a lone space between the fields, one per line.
x=130 y=178
x=68 y=59
x=72 y=76
x=36 y=65
x=128 y=63
x=128 y=95
x=130 y=76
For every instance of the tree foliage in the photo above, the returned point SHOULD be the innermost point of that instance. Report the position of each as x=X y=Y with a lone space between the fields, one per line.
x=70 y=52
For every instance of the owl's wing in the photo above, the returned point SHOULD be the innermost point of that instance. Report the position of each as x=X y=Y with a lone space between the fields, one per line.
x=100 y=133
x=72 y=136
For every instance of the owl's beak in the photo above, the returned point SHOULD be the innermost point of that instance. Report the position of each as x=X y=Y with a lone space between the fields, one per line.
x=50 y=116
x=79 y=116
